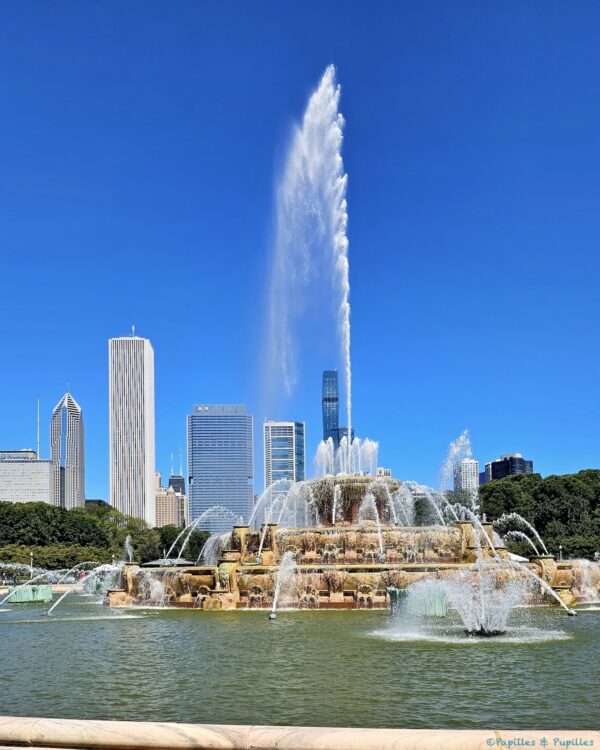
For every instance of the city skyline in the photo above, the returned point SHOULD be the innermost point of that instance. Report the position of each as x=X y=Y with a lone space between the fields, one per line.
x=465 y=197
x=329 y=392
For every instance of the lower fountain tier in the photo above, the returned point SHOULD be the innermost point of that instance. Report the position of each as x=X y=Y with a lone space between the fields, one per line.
x=337 y=567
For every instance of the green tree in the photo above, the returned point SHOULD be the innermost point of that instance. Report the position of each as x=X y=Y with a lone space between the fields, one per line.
x=565 y=500
x=509 y=495
x=197 y=540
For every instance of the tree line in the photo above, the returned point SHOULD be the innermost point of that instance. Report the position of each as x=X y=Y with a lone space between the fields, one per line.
x=62 y=538
x=564 y=509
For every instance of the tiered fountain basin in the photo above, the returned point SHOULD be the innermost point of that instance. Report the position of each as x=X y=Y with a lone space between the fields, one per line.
x=337 y=568
x=350 y=564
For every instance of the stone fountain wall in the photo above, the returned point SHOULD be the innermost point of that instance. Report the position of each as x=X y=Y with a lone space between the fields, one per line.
x=337 y=567
x=346 y=565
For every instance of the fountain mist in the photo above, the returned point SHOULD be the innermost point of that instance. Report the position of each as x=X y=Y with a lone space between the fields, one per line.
x=285 y=578
x=367 y=511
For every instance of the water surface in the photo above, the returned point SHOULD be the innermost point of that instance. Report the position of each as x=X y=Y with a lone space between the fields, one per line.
x=348 y=668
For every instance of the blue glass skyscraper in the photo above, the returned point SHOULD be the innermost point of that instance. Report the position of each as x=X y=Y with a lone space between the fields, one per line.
x=220 y=461
x=330 y=402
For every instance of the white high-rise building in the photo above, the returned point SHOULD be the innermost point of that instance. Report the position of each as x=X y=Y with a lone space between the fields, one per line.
x=284 y=451
x=131 y=426
x=66 y=454
x=466 y=476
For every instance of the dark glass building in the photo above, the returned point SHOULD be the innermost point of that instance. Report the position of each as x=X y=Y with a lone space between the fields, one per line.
x=177 y=482
x=342 y=432
x=331 y=408
x=507 y=466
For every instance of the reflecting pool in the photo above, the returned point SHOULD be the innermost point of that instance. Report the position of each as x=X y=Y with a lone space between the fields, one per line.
x=338 y=668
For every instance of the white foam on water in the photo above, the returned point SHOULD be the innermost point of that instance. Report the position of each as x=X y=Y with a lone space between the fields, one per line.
x=457 y=635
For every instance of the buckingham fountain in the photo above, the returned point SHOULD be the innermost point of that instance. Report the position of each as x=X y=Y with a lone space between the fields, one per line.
x=348 y=539
x=350 y=542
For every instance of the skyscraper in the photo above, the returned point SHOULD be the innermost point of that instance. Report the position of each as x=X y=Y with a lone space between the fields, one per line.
x=67 y=454
x=177 y=482
x=466 y=476
x=24 y=478
x=172 y=507
x=506 y=466
x=284 y=451
x=220 y=461
x=330 y=404
x=131 y=426
x=342 y=432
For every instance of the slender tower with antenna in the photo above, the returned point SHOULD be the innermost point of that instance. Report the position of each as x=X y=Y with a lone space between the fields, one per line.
x=38 y=427
x=177 y=481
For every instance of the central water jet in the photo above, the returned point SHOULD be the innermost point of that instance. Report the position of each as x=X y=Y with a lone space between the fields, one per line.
x=311 y=241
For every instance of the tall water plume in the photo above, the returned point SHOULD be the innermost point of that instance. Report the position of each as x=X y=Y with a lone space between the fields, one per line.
x=358 y=457
x=311 y=242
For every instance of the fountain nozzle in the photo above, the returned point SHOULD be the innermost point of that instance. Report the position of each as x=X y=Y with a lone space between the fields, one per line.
x=272 y=616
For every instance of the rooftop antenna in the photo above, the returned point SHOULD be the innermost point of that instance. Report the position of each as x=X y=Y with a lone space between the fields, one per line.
x=38 y=426
x=68 y=388
x=180 y=463
x=172 y=472
x=133 y=331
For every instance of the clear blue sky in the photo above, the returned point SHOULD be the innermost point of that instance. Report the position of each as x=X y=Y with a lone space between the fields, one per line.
x=138 y=147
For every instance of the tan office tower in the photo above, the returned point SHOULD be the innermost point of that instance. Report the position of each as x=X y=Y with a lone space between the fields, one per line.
x=131 y=426
x=172 y=508
x=66 y=454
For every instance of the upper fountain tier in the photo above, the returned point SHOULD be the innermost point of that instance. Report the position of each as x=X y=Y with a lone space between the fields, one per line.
x=340 y=497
